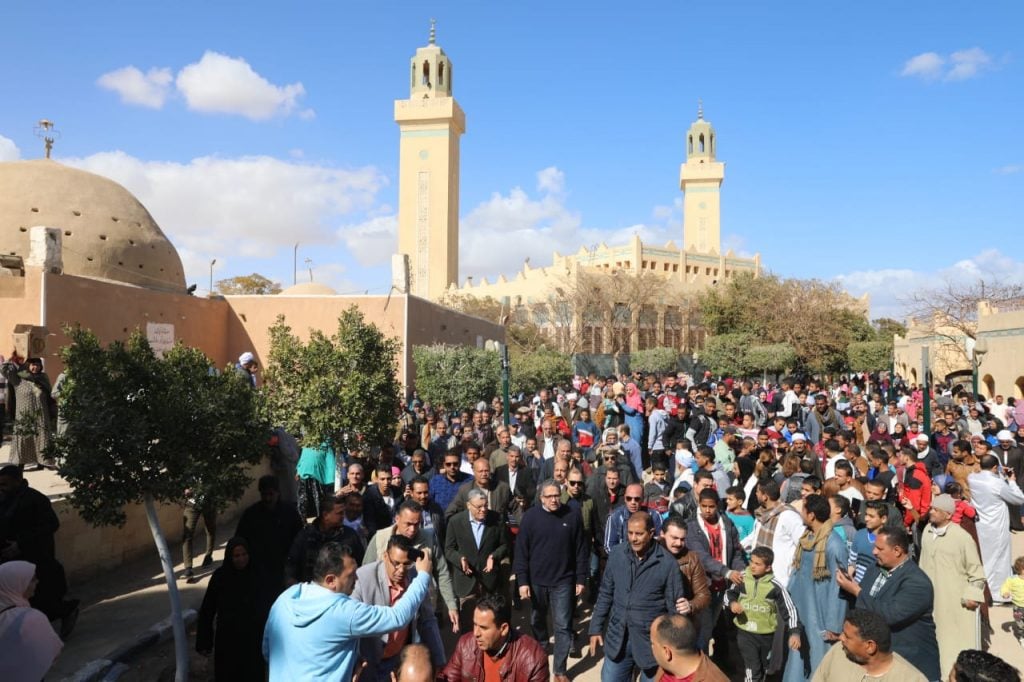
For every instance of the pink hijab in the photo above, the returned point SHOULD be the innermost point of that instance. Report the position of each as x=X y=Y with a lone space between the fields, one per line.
x=22 y=628
x=633 y=397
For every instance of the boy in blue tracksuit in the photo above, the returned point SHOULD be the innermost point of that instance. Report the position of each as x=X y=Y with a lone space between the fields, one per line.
x=764 y=613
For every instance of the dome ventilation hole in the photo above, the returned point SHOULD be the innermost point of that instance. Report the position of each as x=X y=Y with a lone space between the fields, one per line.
x=140 y=266
x=120 y=262
x=23 y=229
x=88 y=258
x=103 y=237
x=35 y=210
x=138 y=224
x=131 y=242
x=115 y=218
x=67 y=233
x=76 y=213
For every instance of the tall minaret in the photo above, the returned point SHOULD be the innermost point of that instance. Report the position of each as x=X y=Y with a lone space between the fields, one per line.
x=700 y=178
x=431 y=123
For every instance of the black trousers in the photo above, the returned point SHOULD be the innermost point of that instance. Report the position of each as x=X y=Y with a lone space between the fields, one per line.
x=755 y=650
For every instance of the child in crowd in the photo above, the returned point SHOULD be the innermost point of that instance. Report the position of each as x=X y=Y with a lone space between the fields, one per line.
x=764 y=614
x=1013 y=589
x=740 y=517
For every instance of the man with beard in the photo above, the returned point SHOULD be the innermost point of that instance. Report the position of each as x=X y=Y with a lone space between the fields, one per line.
x=865 y=653
x=696 y=591
x=820 y=417
x=1011 y=456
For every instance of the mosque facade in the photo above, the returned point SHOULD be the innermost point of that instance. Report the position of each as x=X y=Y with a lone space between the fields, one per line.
x=605 y=299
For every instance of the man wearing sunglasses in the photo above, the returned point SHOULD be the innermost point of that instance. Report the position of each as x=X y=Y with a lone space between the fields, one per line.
x=615 y=530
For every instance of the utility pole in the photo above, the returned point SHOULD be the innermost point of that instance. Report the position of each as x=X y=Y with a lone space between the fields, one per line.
x=212 y=263
x=295 y=264
x=926 y=372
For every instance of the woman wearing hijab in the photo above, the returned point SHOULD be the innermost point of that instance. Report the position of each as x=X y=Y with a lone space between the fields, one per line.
x=880 y=434
x=33 y=413
x=27 y=639
x=236 y=600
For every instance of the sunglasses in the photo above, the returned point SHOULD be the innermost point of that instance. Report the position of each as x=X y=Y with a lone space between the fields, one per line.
x=451 y=464
x=633 y=499
x=574 y=482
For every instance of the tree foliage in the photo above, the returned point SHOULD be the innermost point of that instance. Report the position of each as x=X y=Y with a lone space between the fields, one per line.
x=773 y=357
x=538 y=369
x=336 y=389
x=139 y=425
x=869 y=356
x=247 y=284
x=725 y=354
x=815 y=318
x=654 y=360
x=456 y=376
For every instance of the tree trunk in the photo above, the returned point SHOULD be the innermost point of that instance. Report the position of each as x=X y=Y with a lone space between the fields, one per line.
x=178 y=623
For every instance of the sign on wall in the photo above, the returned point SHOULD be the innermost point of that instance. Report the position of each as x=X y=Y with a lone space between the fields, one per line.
x=160 y=336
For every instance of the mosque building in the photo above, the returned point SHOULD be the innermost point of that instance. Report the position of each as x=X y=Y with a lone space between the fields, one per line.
x=580 y=300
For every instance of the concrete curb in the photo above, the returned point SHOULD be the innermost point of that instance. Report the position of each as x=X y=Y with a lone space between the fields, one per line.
x=113 y=666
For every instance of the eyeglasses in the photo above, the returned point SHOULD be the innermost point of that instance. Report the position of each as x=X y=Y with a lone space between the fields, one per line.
x=451 y=464
x=633 y=499
x=574 y=482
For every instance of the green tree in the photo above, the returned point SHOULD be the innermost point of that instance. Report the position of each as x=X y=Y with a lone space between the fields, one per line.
x=540 y=368
x=456 y=376
x=654 y=360
x=774 y=357
x=869 y=356
x=247 y=284
x=147 y=429
x=521 y=333
x=340 y=389
x=726 y=354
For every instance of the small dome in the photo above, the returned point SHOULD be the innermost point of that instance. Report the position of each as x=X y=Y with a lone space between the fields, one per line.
x=309 y=289
x=106 y=231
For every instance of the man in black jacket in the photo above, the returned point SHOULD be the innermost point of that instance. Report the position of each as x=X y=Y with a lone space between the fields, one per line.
x=551 y=561
x=475 y=545
x=641 y=582
x=516 y=475
x=269 y=528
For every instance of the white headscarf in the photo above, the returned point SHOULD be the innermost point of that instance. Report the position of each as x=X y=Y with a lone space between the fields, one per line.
x=22 y=628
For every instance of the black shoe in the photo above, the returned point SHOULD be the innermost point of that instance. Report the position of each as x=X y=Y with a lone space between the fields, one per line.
x=188 y=574
x=70 y=617
x=207 y=560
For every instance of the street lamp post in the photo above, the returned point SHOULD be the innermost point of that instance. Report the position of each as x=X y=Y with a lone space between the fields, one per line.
x=295 y=264
x=977 y=354
x=212 y=263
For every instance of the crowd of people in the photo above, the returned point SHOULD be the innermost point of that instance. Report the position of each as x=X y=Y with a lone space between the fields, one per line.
x=668 y=527
x=710 y=527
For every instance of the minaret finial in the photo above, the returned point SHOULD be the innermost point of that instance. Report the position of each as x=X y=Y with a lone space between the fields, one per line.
x=700 y=109
x=433 y=31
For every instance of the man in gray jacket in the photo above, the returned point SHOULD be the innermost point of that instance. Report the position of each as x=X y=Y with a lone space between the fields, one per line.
x=382 y=583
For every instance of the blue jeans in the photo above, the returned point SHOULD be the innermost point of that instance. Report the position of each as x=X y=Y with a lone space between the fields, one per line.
x=560 y=600
x=621 y=670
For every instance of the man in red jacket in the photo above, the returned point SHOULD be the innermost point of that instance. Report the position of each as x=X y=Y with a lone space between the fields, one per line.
x=494 y=651
x=915 y=490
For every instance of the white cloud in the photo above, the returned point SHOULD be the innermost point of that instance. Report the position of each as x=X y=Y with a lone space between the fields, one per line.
x=550 y=180
x=221 y=84
x=246 y=207
x=957 y=66
x=1009 y=169
x=8 y=150
x=927 y=65
x=888 y=288
x=967 y=63
x=373 y=241
x=148 y=89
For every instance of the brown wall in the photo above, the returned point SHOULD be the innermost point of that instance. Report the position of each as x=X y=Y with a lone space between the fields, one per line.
x=430 y=323
x=251 y=317
x=113 y=310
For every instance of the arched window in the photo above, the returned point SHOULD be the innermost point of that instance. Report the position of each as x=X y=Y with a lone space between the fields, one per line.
x=426 y=72
x=440 y=74
x=700 y=143
x=691 y=144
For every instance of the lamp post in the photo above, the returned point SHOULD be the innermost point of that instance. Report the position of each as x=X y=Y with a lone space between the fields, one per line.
x=295 y=264
x=212 y=263
x=977 y=354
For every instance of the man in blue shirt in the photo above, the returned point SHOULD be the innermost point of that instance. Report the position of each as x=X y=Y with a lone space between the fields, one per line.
x=445 y=485
x=314 y=628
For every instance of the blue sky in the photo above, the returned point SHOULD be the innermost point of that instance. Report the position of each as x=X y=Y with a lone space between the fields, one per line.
x=875 y=143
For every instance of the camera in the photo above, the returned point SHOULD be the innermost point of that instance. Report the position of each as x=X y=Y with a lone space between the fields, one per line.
x=415 y=554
